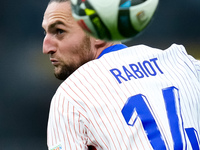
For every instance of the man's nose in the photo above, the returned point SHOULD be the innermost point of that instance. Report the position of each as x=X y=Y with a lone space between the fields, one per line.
x=49 y=44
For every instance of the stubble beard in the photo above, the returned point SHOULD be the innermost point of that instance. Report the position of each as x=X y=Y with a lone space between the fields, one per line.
x=64 y=71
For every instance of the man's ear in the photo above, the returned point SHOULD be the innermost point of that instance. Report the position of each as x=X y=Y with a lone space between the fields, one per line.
x=99 y=43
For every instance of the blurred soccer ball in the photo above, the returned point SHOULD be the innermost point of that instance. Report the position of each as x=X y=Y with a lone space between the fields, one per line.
x=113 y=20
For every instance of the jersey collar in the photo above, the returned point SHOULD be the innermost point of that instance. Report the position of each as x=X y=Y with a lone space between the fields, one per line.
x=112 y=49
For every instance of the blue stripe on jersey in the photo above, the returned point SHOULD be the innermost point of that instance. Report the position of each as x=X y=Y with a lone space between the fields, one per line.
x=112 y=49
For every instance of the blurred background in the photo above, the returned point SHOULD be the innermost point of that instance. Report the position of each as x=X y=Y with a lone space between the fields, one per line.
x=27 y=81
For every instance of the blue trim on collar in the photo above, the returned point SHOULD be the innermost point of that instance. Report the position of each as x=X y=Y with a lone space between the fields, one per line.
x=112 y=49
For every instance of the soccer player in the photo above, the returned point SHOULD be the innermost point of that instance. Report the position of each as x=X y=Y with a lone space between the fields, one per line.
x=115 y=97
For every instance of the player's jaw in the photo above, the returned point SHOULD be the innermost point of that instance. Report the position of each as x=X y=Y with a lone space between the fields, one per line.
x=63 y=71
x=69 y=58
x=62 y=68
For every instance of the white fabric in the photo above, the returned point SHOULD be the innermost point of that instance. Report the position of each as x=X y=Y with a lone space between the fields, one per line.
x=87 y=107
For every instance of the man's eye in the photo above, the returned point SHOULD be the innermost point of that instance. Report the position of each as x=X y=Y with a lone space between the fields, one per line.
x=59 y=31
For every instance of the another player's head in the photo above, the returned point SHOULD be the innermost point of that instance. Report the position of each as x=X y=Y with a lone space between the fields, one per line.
x=67 y=44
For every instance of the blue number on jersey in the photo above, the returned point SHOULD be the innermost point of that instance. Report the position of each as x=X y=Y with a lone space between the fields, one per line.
x=139 y=105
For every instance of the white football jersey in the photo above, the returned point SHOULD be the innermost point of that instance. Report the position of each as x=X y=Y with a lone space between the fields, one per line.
x=137 y=98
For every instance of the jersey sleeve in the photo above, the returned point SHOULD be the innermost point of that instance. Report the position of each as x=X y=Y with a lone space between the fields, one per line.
x=191 y=62
x=196 y=65
x=67 y=125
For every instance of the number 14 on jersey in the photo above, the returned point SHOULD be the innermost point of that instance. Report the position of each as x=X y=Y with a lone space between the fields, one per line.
x=138 y=107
